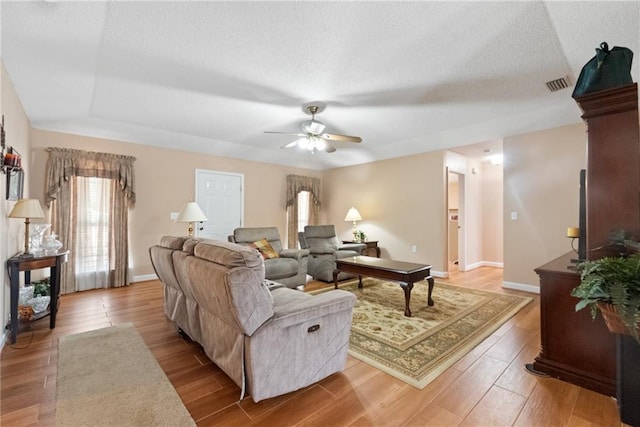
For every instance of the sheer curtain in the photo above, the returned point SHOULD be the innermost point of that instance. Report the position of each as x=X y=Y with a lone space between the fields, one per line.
x=90 y=195
x=295 y=185
x=93 y=223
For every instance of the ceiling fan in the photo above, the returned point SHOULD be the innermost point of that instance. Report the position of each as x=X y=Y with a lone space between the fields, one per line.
x=312 y=137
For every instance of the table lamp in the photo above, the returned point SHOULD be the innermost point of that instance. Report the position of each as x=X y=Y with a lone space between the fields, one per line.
x=191 y=213
x=27 y=209
x=353 y=215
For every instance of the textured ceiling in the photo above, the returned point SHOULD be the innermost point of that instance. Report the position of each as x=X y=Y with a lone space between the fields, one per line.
x=211 y=77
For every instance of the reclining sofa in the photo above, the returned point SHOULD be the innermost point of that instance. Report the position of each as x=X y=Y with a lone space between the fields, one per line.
x=269 y=339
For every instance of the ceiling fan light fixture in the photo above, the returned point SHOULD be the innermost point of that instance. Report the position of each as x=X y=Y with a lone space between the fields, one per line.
x=312 y=137
x=319 y=143
x=313 y=126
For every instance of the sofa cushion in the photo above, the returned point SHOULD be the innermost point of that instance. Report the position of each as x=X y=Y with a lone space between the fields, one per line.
x=266 y=250
x=172 y=242
x=230 y=255
x=190 y=244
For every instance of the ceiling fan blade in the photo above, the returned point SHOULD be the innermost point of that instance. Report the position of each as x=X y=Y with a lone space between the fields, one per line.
x=342 y=138
x=286 y=133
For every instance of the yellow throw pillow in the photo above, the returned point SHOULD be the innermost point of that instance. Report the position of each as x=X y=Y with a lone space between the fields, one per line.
x=265 y=248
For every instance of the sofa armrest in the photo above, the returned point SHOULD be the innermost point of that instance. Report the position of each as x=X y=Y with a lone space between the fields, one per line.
x=294 y=253
x=306 y=309
x=358 y=247
x=322 y=251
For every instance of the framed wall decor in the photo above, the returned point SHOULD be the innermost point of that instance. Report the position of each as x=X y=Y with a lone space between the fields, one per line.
x=15 y=184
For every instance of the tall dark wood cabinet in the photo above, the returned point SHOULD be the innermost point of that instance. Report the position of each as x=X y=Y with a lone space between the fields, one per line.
x=613 y=164
x=574 y=348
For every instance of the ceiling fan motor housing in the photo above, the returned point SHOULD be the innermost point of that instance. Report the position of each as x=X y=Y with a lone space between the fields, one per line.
x=313 y=127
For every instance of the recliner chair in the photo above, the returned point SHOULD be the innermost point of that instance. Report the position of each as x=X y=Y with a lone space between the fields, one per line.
x=290 y=268
x=325 y=247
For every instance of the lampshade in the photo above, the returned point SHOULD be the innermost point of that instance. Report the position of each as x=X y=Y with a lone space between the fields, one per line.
x=573 y=232
x=27 y=208
x=191 y=213
x=353 y=215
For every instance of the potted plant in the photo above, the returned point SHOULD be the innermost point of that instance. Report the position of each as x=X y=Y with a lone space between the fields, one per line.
x=611 y=285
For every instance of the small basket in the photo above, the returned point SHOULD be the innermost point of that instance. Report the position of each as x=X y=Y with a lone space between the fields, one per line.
x=612 y=319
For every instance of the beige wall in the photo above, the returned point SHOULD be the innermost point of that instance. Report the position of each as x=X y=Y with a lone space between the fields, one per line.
x=472 y=217
x=492 y=227
x=17 y=126
x=165 y=181
x=402 y=203
x=541 y=182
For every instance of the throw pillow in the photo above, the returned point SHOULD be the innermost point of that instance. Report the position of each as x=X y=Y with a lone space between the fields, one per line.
x=265 y=248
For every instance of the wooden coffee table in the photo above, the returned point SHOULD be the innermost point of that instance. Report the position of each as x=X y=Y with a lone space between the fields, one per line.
x=406 y=273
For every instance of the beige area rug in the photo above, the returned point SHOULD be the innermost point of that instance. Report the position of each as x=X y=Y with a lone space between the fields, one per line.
x=419 y=348
x=109 y=377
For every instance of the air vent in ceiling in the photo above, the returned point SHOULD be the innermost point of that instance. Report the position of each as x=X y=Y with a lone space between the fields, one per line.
x=557 y=84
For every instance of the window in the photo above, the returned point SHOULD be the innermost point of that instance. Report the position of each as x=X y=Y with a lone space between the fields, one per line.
x=92 y=231
x=303 y=210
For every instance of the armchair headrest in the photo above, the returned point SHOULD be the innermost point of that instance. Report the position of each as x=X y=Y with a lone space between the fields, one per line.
x=319 y=231
x=253 y=234
x=248 y=235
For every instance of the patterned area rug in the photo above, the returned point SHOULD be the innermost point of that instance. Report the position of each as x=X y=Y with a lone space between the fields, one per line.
x=419 y=348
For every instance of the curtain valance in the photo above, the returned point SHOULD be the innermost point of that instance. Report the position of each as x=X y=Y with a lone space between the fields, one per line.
x=298 y=183
x=65 y=162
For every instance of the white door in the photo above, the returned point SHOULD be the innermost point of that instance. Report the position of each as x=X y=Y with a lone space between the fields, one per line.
x=219 y=195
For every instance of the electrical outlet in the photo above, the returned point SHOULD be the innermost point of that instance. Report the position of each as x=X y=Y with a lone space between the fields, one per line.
x=173 y=216
x=414 y=249
x=514 y=216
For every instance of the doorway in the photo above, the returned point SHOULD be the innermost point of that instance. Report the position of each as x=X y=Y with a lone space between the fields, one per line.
x=220 y=196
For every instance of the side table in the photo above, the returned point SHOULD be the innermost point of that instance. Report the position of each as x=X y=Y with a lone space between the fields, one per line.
x=19 y=263
x=372 y=247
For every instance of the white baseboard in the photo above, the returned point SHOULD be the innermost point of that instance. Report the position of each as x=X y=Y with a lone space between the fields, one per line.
x=484 y=264
x=144 y=278
x=3 y=339
x=521 y=287
x=440 y=274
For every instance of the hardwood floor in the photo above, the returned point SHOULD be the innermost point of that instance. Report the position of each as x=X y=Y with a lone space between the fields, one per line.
x=488 y=387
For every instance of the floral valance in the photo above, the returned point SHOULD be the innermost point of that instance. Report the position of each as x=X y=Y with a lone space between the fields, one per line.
x=64 y=163
x=298 y=183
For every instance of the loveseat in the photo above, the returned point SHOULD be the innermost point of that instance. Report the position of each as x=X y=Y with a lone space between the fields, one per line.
x=268 y=341
x=286 y=266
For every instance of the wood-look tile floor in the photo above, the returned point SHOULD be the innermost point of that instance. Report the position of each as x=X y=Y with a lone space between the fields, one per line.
x=488 y=387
